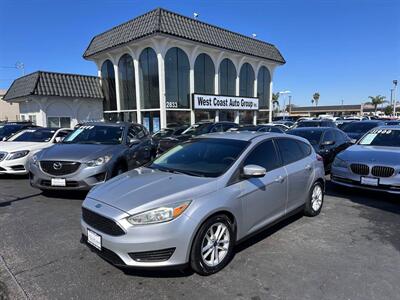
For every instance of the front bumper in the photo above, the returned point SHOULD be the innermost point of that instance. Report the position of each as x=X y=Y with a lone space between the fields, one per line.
x=123 y=250
x=82 y=180
x=346 y=177
x=15 y=166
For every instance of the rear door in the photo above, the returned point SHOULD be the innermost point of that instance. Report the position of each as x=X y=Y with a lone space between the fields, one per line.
x=299 y=168
x=263 y=199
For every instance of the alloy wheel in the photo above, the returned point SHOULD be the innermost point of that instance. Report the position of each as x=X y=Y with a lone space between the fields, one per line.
x=316 y=197
x=215 y=244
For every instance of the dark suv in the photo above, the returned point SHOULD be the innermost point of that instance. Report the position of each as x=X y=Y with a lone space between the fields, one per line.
x=194 y=130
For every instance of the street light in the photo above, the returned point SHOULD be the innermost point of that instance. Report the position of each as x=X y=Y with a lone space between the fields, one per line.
x=394 y=97
x=284 y=100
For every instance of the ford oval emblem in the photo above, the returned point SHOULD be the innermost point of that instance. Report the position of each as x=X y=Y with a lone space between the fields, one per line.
x=98 y=205
x=57 y=166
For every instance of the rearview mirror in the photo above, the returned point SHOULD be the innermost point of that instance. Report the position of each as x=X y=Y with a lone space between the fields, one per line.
x=250 y=171
x=328 y=143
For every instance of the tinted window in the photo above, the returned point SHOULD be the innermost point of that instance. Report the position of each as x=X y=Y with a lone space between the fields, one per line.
x=108 y=86
x=360 y=127
x=328 y=136
x=227 y=78
x=148 y=70
x=290 y=150
x=96 y=135
x=313 y=136
x=246 y=81
x=201 y=157
x=204 y=75
x=305 y=148
x=127 y=82
x=263 y=82
x=264 y=155
x=228 y=126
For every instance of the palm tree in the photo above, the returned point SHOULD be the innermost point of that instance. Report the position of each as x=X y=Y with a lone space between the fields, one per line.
x=377 y=100
x=315 y=98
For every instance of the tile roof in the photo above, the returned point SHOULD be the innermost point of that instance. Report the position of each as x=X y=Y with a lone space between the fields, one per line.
x=55 y=84
x=166 y=22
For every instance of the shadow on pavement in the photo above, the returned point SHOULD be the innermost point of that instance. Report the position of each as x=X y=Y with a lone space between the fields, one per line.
x=12 y=177
x=65 y=195
x=15 y=199
x=379 y=200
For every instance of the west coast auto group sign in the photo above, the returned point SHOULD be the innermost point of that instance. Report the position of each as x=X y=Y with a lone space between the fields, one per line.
x=224 y=102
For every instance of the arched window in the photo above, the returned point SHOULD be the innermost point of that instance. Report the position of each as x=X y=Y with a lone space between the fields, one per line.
x=246 y=81
x=204 y=75
x=263 y=81
x=149 y=85
x=108 y=85
x=127 y=88
x=227 y=78
x=177 y=69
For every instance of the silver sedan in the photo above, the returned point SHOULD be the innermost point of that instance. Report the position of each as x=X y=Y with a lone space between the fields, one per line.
x=196 y=201
x=373 y=163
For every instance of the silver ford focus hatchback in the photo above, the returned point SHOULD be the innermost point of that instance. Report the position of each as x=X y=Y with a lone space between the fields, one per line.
x=195 y=202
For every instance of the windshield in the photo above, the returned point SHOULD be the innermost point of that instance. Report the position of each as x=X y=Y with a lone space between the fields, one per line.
x=313 y=136
x=6 y=130
x=310 y=124
x=96 y=134
x=359 y=127
x=33 y=135
x=201 y=157
x=382 y=137
x=197 y=129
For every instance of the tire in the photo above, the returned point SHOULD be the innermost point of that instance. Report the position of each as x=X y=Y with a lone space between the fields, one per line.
x=204 y=264
x=315 y=200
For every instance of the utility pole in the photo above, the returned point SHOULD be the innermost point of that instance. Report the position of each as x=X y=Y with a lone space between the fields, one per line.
x=394 y=97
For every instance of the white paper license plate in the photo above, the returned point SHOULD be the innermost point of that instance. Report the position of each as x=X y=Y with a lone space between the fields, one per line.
x=94 y=239
x=58 y=182
x=369 y=181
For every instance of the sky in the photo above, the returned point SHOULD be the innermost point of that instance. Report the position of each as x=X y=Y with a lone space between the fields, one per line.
x=346 y=50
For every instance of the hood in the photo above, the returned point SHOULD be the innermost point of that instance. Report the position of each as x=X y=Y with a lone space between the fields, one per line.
x=18 y=146
x=372 y=154
x=76 y=152
x=142 y=189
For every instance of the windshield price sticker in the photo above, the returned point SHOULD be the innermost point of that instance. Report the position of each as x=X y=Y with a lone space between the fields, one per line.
x=224 y=102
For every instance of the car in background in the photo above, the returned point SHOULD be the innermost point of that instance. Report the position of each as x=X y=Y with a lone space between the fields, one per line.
x=258 y=128
x=373 y=163
x=9 y=129
x=355 y=130
x=280 y=126
x=315 y=123
x=195 y=130
x=341 y=123
x=90 y=155
x=285 y=122
x=194 y=203
x=16 y=151
x=327 y=142
x=392 y=123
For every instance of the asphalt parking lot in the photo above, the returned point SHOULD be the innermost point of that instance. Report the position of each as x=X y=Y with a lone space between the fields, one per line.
x=351 y=251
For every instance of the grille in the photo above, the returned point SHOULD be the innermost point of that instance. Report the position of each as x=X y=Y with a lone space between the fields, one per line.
x=101 y=223
x=59 y=168
x=152 y=256
x=2 y=155
x=360 y=169
x=381 y=171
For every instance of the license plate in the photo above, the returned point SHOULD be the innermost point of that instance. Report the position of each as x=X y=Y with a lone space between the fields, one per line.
x=58 y=182
x=94 y=239
x=369 y=181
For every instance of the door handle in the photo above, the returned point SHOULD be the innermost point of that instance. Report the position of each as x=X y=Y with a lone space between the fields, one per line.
x=279 y=179
x=308 y=167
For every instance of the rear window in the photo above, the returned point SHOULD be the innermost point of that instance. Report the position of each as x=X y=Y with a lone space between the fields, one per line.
x=290 y=151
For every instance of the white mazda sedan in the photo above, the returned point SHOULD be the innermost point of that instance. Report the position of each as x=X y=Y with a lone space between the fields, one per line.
x=15 y=151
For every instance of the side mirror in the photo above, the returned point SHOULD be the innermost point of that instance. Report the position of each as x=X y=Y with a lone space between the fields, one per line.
x=4 y=139
x=134 y=141
x=328 y=143
x=58 y=139
x=250 y=171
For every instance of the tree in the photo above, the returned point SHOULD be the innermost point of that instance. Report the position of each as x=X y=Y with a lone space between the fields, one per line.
x=377 y=100
x=315 y=98
x=389 y=110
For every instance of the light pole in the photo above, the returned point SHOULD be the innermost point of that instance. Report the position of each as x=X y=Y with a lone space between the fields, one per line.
x=284 y=101
x=394 y=97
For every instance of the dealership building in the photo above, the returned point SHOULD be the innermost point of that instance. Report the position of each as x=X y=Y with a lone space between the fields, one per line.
x=163 y=68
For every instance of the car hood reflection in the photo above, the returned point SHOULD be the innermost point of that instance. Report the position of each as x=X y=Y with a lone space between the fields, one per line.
x=389 y=156
x=144 y=188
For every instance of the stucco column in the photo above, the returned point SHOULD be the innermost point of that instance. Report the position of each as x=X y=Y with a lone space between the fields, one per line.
x=117 y=91
x=255 y=95
x=161 y=83
x=216 y=92
x=237 y=117
x=191 y=89
x=270 y=100
x=138 y=87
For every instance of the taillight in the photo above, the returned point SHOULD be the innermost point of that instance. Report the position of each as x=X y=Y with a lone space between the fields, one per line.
x=319 y=158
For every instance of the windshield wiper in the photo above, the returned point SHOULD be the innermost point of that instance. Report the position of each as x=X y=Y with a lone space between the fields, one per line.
x=175 y=171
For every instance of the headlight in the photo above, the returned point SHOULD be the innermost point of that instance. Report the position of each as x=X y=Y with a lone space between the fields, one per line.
x=159 y=215
x=17 y=154
x=99 y=161
x=340 y=163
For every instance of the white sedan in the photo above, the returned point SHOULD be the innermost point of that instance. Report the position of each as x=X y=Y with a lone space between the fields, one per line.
x=15 y=152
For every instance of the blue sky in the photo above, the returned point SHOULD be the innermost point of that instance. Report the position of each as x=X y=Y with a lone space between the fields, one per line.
x=344 y=49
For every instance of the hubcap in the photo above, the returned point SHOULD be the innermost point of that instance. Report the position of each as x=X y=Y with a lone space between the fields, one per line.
x=215 y=244
x=316 y=198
